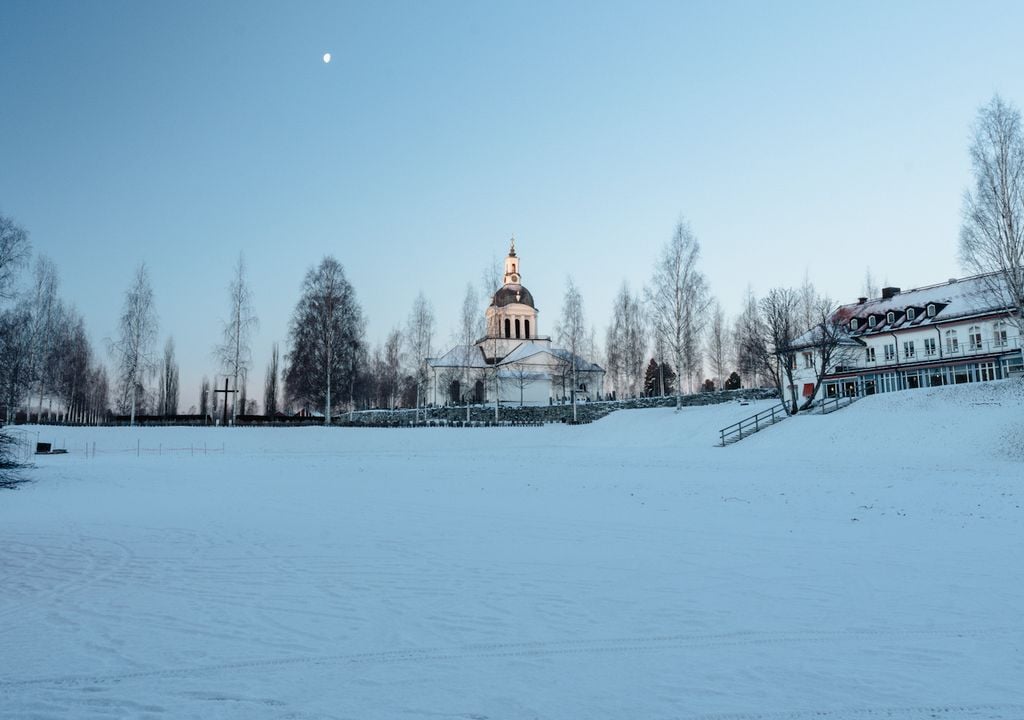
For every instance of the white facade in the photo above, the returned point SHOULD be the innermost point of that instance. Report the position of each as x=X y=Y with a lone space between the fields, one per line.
x=951 y=333
x=512 y=362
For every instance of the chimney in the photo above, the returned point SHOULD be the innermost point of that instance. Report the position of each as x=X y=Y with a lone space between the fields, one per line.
x=890 y=292
x=861 y=300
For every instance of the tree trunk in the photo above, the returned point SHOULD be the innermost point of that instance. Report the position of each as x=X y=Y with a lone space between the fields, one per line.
x=327 y=404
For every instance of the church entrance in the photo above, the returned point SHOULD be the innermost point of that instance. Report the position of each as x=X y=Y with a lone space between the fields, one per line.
x=454 y=396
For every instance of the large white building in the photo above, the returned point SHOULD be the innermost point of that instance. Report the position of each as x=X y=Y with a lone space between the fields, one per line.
x=512 y=359
x=955 y=332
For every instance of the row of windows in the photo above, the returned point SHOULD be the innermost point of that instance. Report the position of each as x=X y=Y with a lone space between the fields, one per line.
x=952 y=343
x=888 y=382
x=890 y=317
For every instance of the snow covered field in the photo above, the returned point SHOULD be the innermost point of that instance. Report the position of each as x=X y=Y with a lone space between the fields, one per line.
x=864 y=564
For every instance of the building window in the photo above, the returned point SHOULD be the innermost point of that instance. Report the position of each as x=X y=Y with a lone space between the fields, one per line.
x=911 y=314
x=952 y=344
x=908 y=348
x=508 y=328
x=527 y=324
x=890 y=352
x=987 y=371
x=870 y=354
x=853 y=324
x=890 y=317
x=808 y=360
x=871 y=321
x=931 y=310
x=974 y=337
x=999 y=336
x=791 y=361
x=518 y=329
x=929 y=346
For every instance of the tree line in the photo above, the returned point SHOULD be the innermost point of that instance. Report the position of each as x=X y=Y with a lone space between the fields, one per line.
x=668 y=338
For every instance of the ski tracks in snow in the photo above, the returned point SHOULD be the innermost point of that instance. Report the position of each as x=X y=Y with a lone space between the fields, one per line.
x=625 y=645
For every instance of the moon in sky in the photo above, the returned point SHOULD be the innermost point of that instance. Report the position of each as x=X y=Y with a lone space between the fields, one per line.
x=327 y=57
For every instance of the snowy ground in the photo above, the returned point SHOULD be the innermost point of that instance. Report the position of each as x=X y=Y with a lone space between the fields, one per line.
x=865 y=564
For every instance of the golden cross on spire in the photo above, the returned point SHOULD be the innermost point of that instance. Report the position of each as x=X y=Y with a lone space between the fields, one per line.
x=512 y=249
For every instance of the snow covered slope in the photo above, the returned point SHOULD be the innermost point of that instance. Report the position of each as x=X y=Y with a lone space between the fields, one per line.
x=858 y=565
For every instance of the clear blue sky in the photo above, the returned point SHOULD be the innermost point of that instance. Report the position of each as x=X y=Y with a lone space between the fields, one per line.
x=795 y=137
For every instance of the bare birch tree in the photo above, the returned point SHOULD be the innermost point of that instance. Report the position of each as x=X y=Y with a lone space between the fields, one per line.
x=992 y=233
x=204 y=398
x=234 y=352
x=572 y=335
x=718 y=345
x=14 y=253
x=870 y=287
x=779 y=310
x=271 y=385
x=133 y=349
x=419 y=338
x=626 y=343
x=470 y=330
x=168 y=397
x=830 y=342
x=326 y=335
x=678 y=299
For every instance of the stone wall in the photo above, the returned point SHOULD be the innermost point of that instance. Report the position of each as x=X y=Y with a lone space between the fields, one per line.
x=538 y=415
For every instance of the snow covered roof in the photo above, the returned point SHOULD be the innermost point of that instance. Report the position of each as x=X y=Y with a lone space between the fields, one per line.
x=523 y=351
x=528 y=350
x=460 y=356
x=953 y=300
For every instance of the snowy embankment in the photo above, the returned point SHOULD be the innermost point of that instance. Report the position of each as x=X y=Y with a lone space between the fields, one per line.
x=858 y=565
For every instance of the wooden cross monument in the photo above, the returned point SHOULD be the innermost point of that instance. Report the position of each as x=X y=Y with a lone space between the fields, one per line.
x=226 y=391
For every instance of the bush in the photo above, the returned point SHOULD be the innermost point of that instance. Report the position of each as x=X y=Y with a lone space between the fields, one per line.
x=9 y=465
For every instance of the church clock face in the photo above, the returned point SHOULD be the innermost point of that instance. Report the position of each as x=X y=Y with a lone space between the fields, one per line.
x=515 y=278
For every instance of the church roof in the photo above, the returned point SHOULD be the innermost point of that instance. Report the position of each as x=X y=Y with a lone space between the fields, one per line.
x=460 y=356
x=530 y=349
x=508 y=294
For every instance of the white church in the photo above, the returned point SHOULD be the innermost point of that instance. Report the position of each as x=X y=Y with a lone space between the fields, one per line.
x=512 y=361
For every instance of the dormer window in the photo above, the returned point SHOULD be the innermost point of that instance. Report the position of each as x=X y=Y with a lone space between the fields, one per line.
x=890 y=317
x=931 y=310
x=854 y=323
x=871 y=321
x=911 y=314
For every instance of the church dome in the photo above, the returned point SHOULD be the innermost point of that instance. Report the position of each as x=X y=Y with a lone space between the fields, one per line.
x=512 y=294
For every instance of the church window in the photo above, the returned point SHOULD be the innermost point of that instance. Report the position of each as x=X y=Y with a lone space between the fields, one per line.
x=527 y=323
x=508 y=328
x=518 y=330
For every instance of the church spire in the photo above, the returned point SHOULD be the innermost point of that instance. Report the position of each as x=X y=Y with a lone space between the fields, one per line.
x=512 y=265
